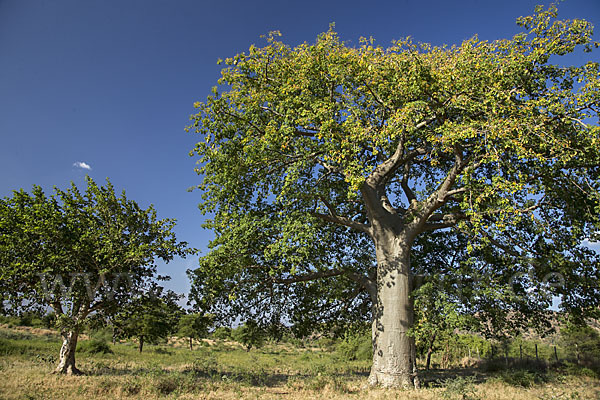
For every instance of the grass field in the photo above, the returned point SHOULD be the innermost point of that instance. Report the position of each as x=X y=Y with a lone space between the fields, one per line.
x=224 y=370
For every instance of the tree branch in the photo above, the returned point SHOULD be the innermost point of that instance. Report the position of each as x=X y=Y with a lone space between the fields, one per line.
x=362 y=280
x=410 y=196
x=384 y=170
x=366 y=282
x=337 y=219
x=309 y=277
x=262 y=132
x=441 y=221
x=439 y=196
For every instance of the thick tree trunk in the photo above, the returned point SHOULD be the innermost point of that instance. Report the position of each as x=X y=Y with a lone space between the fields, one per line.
x=66 y=363
x=394 y=363
x=141 y=347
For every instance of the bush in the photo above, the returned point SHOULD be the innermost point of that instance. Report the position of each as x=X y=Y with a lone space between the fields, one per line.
x=355 y=347
x=578 y=370
x=166 y=385
x=131 y=388
x=461 y=388
x=581 y=342
x=326 y=343
x=102 y=334
x=49 y=320
x=222 y=332
x=523 y=378
x=250 y=335
x=94 y=346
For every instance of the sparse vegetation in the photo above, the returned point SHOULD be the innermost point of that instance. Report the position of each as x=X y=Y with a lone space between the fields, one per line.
x=225 y=370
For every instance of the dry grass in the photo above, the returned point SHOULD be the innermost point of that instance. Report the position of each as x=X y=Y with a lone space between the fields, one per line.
x=22 y=379
x=225 y=371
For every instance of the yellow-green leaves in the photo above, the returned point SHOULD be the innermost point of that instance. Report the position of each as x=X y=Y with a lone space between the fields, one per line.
x=484 y=127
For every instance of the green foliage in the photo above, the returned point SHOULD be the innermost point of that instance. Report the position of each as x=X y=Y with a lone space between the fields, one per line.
x=149 y=317
x=523 y=378
x=222 y=333
x=327 y=343
x=306 y=151
x=94 y=346
x=194 y=325
x=582 y=341
x=460 y=388
x=82 y=254
x=355 y=346
x=250 y=334
x=49 y=320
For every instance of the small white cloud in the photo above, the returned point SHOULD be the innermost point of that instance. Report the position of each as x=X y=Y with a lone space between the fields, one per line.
x=82 y=165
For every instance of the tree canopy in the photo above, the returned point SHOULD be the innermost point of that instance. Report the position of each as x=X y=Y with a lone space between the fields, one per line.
x=309 y=152
x=81 y=254
x=149 y=316
x=194 y=326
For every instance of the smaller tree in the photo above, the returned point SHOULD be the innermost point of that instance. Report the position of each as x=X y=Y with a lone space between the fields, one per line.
x=251 y=334
x=222 y=333
x=149 y=317
x=80 y=254
x=582 y=341
x=194 y=326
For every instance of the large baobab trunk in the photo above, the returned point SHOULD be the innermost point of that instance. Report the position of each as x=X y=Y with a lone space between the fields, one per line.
x=66 y=364
x=393 y=349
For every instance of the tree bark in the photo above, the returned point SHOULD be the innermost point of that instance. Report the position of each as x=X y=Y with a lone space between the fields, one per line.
x=393 y=348
x=66 y=363
x=141 y=346
x=191 y=344
x=430 y=352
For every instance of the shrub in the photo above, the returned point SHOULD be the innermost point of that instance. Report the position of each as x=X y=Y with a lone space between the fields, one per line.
x=355 y=347
x=166 y=385
x=250 y=335
x=523 y=378
x=582 y=342
x=131 y=388
x=318 y=383
x=461 y=388
x=326 y=343
x=222 y=332
x=94 y=346
x=49 y=320
x=578 y=370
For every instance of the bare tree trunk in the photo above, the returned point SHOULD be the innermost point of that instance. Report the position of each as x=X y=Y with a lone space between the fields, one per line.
x=191 y=344
x=393 y=349
x=141 y=346
x=66 y=363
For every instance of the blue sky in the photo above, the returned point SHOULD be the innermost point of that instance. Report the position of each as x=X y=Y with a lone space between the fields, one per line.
x=111 y=83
